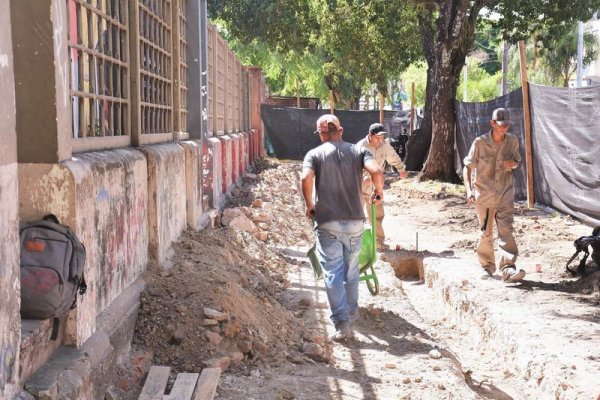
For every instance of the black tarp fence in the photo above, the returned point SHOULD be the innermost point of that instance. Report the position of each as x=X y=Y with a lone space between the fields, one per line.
x=565 y=134
x=565 y=139
x=289 y=130
x=473 y=119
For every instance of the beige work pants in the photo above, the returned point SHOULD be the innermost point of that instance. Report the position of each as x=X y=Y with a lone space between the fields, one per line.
x=507 y=247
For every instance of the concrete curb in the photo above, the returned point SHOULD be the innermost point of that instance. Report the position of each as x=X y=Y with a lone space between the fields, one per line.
x=84 y=373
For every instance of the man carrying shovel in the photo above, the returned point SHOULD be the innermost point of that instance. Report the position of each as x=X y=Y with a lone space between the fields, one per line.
x=335 y=169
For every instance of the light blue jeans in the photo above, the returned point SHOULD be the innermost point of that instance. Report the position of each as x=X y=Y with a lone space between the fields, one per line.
x=338 y=247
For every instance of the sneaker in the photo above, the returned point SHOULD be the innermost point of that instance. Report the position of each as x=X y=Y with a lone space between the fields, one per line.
x=490 y=269
x=510 y=274
x=342 y=331
x=354 y=316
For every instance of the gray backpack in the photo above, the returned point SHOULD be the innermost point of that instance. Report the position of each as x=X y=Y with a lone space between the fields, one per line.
x=52 y=261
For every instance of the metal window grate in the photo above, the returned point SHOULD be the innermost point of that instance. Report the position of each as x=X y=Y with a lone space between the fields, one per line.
x=238 y=98
x=211 y=78
x=230 y=95
x=183 y=66
x=156 y=98
x=98 y=55
x=220 y=83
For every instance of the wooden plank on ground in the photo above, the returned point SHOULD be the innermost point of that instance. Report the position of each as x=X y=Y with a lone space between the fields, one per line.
x=183 y=388
x=156 y=382
x=207 y=384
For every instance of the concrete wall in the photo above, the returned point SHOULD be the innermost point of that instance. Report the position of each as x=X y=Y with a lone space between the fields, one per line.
x=193 y=183
x=167 y=216
x=226 y=162
x=39 y=34
x=10 y=333
x=103 y=196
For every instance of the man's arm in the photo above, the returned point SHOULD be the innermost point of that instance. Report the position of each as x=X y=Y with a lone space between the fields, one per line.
x=376 y=177
x=468 y=187
x=307 y=180
x=394 y=159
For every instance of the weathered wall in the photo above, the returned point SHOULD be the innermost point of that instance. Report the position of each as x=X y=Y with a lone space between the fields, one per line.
x=211 y=169
x=235 y=157
x=103 y=197
x=193 y=182
x=167 y=216
x=39 y=34
x=10 y=333
x=226 y=162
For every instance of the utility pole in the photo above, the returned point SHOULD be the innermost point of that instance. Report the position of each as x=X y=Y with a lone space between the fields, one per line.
x=579 y=53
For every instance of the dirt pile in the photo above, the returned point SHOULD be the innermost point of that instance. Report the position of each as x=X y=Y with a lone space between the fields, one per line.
x=222 y=303
x=272 y=200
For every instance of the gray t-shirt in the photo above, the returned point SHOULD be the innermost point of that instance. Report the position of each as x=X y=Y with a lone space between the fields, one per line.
x=338 y=171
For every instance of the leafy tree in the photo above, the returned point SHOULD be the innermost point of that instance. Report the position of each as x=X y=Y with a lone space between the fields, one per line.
x=558 y=50
x=451 y=25
x=359 y=42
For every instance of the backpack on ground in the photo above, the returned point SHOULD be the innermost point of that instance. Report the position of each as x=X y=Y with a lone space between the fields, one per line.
x=582 y=245
x=52 y=261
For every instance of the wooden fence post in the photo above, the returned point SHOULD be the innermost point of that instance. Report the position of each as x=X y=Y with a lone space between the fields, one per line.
x=527 y=121
x=412 y=108
x=381 y=105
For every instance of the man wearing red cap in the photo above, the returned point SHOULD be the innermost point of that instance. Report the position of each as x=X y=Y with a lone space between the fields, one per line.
x=334 y=171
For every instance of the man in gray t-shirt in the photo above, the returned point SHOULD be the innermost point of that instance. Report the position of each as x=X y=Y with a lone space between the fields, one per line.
x=335 y=170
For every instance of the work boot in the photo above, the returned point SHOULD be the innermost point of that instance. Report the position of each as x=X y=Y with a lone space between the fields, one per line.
x=490 y=269
x=343 y=331
x=511 y=275
x=354 y=316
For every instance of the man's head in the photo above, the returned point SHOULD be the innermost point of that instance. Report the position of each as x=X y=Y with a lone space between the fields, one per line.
x=376 y=135
x=328 y=127
x=500 y=121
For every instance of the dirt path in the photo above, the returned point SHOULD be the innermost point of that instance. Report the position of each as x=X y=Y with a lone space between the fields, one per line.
x=242 y=297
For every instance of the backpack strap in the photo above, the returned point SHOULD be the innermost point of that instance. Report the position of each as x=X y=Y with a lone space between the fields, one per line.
x=51 y=217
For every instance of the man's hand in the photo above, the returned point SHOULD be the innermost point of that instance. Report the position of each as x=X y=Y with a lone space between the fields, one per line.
x=310 y=211
x=470 y=198
x=367 y=180
x=403 y=174
x=377 y=198
x=510 y=165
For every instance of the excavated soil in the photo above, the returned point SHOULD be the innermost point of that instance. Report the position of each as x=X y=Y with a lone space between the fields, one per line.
x=239 y=295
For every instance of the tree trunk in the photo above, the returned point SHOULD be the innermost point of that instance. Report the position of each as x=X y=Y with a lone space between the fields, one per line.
x=454 y=38
x=419 y=142
x=440 y=161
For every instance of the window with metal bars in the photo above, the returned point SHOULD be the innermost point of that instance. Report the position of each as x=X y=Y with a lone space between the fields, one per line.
x=155 y=69
x=98 y=55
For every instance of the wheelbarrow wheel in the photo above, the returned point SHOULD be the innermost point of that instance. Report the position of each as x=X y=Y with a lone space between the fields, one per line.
x=372 y=282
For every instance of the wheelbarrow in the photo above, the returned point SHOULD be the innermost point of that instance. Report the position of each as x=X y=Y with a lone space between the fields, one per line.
x=366 y=258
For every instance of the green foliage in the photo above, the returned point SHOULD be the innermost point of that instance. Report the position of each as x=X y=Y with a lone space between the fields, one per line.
x=357 y=42
x=481 y=86
x=416 y=73
x=558 y=50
